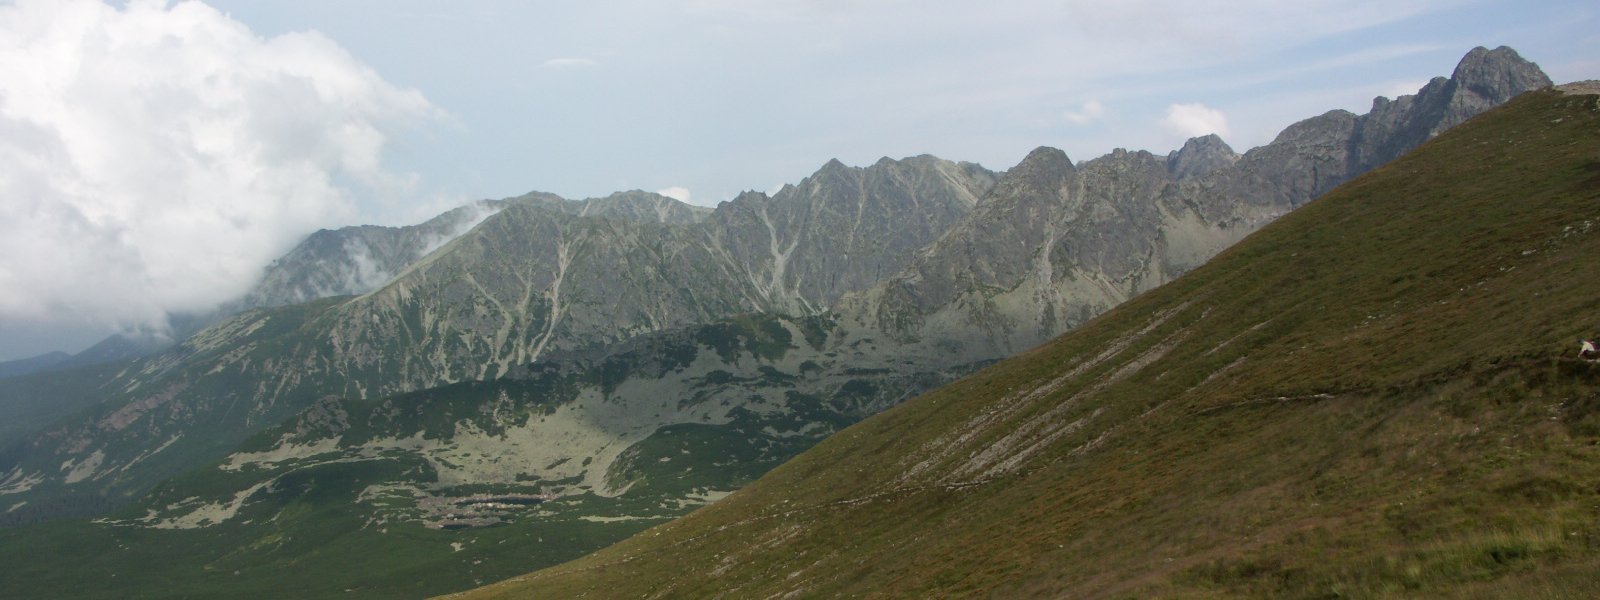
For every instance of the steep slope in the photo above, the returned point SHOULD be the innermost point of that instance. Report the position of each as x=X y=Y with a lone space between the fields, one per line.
x=844 y=228
x=1374 y=396
x=1056 y=243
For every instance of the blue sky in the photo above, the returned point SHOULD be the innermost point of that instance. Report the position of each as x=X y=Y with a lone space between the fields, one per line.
x=583 y=99
x=155 y=155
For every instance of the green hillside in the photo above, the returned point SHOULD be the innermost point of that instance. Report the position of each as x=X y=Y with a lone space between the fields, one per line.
x=1375 y=396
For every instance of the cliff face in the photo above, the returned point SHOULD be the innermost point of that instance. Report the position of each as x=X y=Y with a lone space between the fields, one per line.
x=843 y=228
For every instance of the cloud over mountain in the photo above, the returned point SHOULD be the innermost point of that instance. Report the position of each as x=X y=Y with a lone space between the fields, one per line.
x=1195 y=120
x=154 y=157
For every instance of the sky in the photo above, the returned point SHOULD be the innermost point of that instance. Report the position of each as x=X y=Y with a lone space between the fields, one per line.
x=155 y=155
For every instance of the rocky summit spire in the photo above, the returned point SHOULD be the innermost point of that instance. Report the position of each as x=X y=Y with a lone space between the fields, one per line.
x=1485 y=79
x=1497 y=75
x=1482 y=80
x=1043 y=164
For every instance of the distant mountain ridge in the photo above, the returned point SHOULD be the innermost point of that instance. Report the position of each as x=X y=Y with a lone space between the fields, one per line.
x=356 y=260
x=1056 y=243
x=32 y=364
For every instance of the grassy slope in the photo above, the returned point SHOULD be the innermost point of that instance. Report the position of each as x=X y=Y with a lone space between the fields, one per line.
x=1372 y=397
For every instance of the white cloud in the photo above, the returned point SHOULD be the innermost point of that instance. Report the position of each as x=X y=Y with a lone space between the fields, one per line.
x=567 y=63
x=1092 y=110
x=1194 y=120
x=678 y=193
x=154 y=157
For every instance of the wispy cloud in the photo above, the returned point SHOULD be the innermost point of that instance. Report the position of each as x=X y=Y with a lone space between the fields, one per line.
x=1090 y=111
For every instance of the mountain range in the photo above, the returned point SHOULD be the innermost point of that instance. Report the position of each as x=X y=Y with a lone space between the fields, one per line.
x=1377 y=395
x=585 y=369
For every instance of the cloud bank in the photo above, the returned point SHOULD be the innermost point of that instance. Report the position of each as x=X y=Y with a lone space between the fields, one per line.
x=153 y=158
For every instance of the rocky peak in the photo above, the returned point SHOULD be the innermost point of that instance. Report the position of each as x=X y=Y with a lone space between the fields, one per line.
x=832 y=173
x=1497 y=74
x=1200 y=156
x=1482 y=80
x=1313 y=128
x=1042 y=176
x=1042 y=162
x=755 y=198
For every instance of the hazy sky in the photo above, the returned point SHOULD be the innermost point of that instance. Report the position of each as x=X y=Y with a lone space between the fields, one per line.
x=154 y=155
